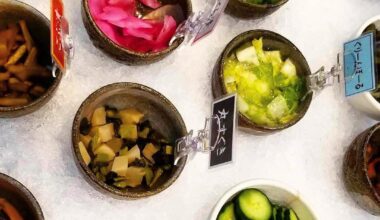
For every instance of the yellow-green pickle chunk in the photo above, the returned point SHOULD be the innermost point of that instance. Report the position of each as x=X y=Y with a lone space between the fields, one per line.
x=268 y=87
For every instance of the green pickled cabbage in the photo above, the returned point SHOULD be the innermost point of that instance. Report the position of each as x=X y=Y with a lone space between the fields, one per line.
x=269 y=91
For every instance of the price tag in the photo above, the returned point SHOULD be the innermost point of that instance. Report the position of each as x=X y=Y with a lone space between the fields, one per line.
x=223 y=133
x=57 y=23
x=359 y=65
x=211 y=19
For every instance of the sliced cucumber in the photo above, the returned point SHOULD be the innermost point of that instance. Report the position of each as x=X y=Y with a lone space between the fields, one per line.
x=227 y=212
x=252 y=204
x=282 y=213
x=292 y=215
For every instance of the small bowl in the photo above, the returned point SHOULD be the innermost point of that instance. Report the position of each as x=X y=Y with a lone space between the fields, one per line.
x=162 y=114
x=277 y=193
x=242 y=9
x=355 y=172
x=39 y=25
x=121 y=54
x=365 y=102
x=20 y=197
x=271 y=41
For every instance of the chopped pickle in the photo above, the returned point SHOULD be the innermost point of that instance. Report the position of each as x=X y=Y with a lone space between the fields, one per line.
x=124 y=150
x=128 y=132
x=269 y=89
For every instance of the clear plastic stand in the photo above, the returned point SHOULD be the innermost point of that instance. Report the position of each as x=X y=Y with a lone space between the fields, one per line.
x=196 y=22
x=200 y=142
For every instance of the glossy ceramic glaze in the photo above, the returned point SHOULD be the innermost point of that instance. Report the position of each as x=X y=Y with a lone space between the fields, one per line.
x=113 y=50
x=39 y=25
x=271 y=41
x=355 y=173
x=163 y=116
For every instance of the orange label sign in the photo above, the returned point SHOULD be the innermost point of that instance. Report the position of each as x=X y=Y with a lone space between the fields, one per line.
x=57 y=21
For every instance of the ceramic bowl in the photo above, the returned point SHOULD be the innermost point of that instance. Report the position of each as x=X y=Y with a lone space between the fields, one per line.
x=365 y=102
x=12 y=11
x=355 y=172
x=242 y=9
x=20 y=197
x=278 y=193
x=271 y=41
x=121 y=54
x=163 y=116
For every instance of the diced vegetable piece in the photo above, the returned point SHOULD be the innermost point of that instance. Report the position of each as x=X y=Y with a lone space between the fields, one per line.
x=278 y=107
x=95 y=142
x=227 y=212
x=123 y=151
x=115 y=144
x=83 y=152
x=242 y=105
x=104 y=154
x=149 y=150
x=130 y=116
x=134 y=176
x=148 y=175
x=289 y=69
x=144 y=133
x=128 y=131
x=120 y=165
x=258 y=45
x=253 y=204
x=133 y=154
x=99 y=117
x=248 y=55
x=157 y=175
x=106 y=132
x=85 y=139
x=168 y=150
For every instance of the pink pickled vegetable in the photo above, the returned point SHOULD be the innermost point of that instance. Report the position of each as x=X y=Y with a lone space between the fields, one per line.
x=107 y=29
x=96 y=7
x=131 y=22
x=151 y=3
x=128 y=5
x=117 y=20
x=167 y=31
x=112 y=13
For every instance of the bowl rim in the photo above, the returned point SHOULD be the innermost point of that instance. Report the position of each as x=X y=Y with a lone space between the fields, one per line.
x=264 y=6
x=367 y=95
x=252 y=184
x=92 y=22
x=369 y=135
x=25 y=191
x=85 y=170
x=246 y=120
x=58 y=74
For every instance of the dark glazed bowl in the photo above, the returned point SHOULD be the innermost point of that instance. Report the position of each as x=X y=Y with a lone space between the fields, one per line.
x=39 y=25
x=355 y=172
x=242 y=9
x=271 y=41
x=163 y=116
x=121 y=54
x=20 y=197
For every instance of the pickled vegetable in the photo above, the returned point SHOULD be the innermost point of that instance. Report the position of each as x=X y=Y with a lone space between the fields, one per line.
x=268 y=87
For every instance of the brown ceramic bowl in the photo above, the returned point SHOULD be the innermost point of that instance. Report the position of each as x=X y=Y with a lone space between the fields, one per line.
x=20 y=197
x=163 y=116
x=271 y=41
x=39 y=25
x=242 y=9
x=355 y=172
x=121 y=54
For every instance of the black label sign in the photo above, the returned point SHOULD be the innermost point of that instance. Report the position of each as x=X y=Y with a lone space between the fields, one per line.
x=223 y=130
